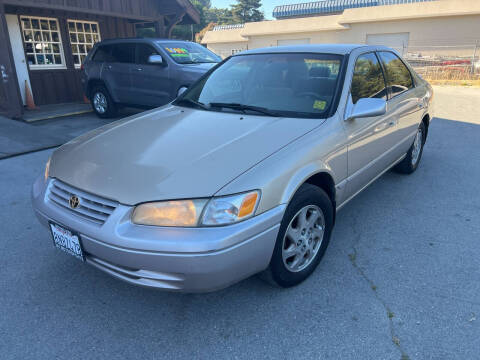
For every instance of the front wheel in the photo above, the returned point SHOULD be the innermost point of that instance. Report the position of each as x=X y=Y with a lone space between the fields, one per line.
x=414 y=154
x=303 y=237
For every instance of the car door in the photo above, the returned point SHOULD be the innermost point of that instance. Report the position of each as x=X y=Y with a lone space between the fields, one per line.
x=151 y=82
x=369 y=139
x=116 y=72
x=405 y=101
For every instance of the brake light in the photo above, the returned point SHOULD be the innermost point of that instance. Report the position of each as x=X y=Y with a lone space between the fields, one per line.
x=82 y=67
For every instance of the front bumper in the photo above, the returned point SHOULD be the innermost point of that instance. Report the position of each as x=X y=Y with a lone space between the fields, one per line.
x=177 y=259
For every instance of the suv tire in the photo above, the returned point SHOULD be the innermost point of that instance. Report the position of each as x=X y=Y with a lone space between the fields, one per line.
x=102 y=102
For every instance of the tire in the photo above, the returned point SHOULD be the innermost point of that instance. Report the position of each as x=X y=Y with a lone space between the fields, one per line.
x=102 y=102
x=414 y=154
x=284 y=270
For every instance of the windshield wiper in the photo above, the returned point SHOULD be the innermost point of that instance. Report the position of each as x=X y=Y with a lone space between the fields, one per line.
x=243 y=107
x=192 y=102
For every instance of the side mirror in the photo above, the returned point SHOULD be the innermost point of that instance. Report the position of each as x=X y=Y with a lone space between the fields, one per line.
x=155 y=60
x=181 y=90
x=368 y=107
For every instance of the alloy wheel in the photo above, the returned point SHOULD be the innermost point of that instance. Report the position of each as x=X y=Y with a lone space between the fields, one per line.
x=417 y=146
x=303 y=238
x=100 y=103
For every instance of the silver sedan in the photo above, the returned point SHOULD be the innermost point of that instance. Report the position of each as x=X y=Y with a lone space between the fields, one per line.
x=242 y=174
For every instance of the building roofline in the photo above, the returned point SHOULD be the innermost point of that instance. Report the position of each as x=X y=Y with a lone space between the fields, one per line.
x=337 y=22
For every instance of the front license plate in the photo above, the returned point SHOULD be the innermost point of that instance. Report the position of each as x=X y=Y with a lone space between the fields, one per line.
x=67 y=241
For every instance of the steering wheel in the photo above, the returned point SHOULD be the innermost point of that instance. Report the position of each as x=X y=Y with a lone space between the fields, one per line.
x=309 y=94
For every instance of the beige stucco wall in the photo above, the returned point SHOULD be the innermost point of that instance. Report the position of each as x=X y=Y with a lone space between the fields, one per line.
x=431 y=26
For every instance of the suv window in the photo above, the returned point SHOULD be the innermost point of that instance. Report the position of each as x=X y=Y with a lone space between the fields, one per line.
x=103 y=54
x=368 y=80
x=123 y=53
x=399 y=78
x=144 y=51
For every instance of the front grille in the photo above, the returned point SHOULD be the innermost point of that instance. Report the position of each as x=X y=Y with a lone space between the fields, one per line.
x=91 y=207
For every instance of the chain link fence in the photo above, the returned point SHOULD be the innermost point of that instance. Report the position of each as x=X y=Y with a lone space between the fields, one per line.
x=433 y=62
x=445 y=62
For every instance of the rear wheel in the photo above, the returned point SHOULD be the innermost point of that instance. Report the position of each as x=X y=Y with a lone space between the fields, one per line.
x=303 y=237
x=102 y=102
x=414 y=154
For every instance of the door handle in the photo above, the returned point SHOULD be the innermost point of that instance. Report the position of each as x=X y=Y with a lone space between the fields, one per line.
x=109 y=67
x=420 y=106
x=4 y=74
x=139 y=69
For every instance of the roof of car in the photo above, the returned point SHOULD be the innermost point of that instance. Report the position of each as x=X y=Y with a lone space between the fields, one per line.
x=341 y=49
x=136 y=39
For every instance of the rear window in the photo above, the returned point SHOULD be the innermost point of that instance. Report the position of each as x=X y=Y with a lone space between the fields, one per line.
x=103 y=54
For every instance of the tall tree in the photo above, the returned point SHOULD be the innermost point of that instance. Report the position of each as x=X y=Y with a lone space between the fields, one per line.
x=186 y=32
x=247 y=11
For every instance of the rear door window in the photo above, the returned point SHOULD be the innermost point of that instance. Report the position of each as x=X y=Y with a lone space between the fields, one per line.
x=124 y=53
x=368 y=80
x=399 y=78
x=103 y=54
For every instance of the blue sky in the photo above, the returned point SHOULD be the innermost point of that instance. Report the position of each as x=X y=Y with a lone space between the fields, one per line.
x=268 y=5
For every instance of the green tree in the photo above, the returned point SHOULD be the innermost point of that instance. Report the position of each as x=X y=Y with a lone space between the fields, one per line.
x=187 y=32
x=219 y=16
x=247 y=11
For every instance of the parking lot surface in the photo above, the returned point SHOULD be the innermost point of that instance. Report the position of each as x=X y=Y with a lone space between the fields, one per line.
x=401 y=278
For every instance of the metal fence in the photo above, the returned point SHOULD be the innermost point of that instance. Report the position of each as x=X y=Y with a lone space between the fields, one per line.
x=445 y=62
x=433 y=62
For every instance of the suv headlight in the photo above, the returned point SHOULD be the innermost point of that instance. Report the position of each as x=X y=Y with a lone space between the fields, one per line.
x=200 y=212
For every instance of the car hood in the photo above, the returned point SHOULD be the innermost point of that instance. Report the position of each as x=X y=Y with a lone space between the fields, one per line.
x=171 y=153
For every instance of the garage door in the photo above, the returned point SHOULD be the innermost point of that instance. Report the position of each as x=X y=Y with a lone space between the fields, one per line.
x=293 y=42
x=397 y=41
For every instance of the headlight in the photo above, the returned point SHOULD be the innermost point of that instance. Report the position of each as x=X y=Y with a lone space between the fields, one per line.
x=47 y=169
x=188 y=213
x=169 y=213
x=230 y=209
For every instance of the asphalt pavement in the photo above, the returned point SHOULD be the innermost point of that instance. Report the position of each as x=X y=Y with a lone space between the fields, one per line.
x=19 y=137
x=401 y=278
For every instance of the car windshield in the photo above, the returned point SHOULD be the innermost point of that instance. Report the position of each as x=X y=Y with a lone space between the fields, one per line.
x=189 y=53
x=291 y=85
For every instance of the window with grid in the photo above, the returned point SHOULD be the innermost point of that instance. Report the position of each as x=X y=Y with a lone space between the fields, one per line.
x=83 y=35
x=42 y=41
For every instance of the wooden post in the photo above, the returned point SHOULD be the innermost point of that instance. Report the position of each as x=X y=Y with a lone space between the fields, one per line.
x=10 y=99
x=172 y=21
x=160 y=27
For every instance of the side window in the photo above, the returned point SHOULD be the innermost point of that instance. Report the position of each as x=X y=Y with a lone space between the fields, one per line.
x=368 y=80
x=124 y=53
x=103 y=54
x=144 y=51
x=399 y=78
